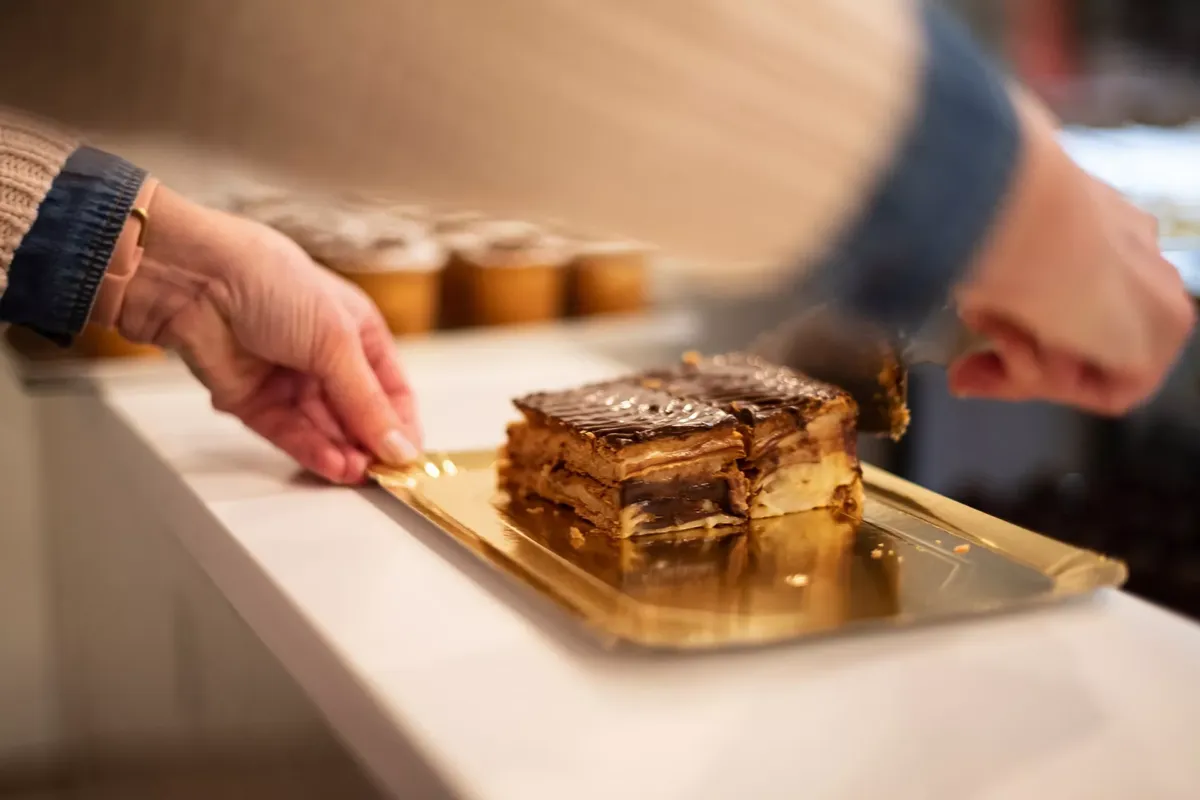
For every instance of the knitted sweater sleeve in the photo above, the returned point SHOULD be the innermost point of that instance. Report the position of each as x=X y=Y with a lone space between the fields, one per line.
x=62 y=206
x=32 y=154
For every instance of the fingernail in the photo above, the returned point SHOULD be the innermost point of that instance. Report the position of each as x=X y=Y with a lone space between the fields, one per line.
x=398 y=450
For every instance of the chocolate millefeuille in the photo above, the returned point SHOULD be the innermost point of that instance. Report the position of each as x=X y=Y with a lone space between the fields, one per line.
x=628 y=458
x=800 y=434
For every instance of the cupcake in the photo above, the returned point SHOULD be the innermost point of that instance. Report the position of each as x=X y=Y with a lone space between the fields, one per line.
x=513 y=273
x=330 y=235
x=396 y=262
x=447 y=226
x=301 y=220
x=244 y=197
x=609 y=278
x=456 y=232
x=97 y=342
x=370 y=205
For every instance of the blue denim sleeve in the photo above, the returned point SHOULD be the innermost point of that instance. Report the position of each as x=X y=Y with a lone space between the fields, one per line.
x=913 y=241
x=58 y=266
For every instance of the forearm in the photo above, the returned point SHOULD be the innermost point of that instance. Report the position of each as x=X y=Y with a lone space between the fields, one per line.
x=31 y=156
x=723 y=132
x=856 y=138
x=868 y=141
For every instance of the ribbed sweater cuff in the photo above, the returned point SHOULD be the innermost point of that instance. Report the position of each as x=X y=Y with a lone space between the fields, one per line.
x=31 y=155
x=934 y=207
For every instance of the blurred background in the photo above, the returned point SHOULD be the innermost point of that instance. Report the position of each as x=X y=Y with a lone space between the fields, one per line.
x=198 y=91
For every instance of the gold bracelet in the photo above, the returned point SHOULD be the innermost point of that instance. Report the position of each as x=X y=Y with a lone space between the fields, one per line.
x=142 y=215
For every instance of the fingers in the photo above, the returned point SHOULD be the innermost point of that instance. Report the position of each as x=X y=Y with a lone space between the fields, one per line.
x=1062 y=379
x=1172 y=324
x=313 y=404
x=287 y=410
x=979 y=375
x=358 y=400
x=1011 y=370
x=379 y=349
x=1018 y=369
x=293 y=432
x=1088 y=283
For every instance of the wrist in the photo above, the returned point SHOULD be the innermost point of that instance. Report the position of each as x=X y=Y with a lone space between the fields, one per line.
x=125 y=259
x=1038 y=216
x=184 y=260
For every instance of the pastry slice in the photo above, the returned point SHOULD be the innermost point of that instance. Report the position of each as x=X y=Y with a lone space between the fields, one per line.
x=800 y=434
x=627 y=458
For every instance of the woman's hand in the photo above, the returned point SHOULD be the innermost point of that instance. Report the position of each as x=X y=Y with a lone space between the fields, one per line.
x=302 y=357
x=1075 y=295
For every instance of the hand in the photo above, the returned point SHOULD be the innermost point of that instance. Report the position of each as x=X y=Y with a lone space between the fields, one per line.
x=1080 y=305
x=302 y=357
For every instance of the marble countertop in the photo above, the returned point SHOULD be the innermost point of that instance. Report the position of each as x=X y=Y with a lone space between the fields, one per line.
x=416 y=653
x=634 y=340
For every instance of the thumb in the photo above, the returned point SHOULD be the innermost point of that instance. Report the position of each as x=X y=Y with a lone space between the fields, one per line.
x=361 y=405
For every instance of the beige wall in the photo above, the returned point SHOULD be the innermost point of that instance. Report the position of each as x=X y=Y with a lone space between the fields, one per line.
x=309 y=85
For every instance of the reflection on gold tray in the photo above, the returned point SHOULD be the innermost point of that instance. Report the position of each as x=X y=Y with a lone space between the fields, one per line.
x=917 y=556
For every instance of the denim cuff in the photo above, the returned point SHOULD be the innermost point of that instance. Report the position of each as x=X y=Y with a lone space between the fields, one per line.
x=58 y=266
x=897 y=264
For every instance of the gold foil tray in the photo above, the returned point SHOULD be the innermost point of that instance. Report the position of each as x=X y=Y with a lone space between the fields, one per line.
x=916 y=557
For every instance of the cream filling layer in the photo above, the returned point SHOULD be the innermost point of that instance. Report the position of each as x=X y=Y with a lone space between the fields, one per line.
x=807 y=486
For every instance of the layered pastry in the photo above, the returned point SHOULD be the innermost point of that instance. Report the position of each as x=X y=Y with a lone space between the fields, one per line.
x=609 y=278
x=512 y=273
x=627 y=458
x=800 y=434
x=397 y=263
x=825 y=343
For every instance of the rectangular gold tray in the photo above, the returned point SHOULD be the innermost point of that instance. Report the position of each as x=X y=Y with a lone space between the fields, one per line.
x=916 y=557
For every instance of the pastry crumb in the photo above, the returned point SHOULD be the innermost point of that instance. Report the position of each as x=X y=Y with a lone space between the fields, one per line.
x=962 y=548
x=798 y=580
x=877 y=553
x=691 y=357
x=576 y=536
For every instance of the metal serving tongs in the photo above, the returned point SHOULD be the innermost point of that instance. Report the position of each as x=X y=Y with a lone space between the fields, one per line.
x=868 y=362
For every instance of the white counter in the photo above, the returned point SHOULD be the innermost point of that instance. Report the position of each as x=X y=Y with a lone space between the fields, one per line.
x=442 y=677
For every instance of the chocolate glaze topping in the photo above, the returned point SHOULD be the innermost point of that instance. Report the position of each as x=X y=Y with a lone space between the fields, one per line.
x=624 y=412
x=745 y=386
